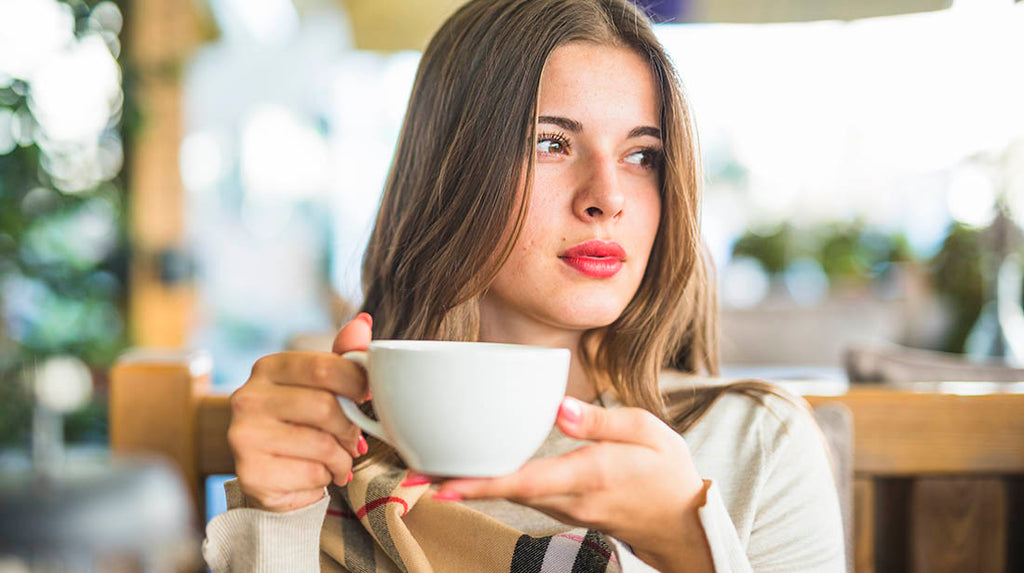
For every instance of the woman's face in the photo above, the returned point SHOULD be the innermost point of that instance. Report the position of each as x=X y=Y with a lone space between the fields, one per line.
x=595 y=203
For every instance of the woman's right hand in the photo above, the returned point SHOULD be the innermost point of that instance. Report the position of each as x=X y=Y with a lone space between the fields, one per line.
x=288 y=434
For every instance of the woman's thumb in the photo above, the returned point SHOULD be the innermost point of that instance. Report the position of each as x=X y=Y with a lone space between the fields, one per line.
x=355 y=335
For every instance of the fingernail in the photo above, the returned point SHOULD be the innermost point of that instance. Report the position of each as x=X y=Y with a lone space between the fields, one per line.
x=571 y=410
x=365 y=317
x=414 y=478
x=447 y=495
x=362 y=447
x=350 y=476
x=369 y=396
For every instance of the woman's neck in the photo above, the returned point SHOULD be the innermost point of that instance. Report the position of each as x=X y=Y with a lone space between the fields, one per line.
x=523 y=330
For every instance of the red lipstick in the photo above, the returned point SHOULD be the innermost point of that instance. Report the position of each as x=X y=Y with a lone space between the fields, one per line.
x=596 y=259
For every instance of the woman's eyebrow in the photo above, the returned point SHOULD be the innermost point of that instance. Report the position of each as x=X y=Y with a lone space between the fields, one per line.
x=563 y=122
x=645 y=130
x=574 y=126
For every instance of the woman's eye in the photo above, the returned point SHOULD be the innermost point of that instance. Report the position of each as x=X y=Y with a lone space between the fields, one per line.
x=646 y=157
x=552 y=144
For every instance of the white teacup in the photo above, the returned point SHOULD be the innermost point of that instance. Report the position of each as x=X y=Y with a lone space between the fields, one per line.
x=471 y=409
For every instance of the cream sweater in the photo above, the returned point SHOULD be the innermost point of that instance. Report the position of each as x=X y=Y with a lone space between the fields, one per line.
x=772 y=504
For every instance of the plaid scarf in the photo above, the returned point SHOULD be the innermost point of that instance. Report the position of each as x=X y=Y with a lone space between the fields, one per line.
x=374 y=525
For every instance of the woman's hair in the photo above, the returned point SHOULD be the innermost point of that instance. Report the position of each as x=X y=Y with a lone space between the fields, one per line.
x=450 y=216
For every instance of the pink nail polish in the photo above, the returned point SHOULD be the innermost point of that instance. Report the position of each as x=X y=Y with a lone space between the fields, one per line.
x=350 y=476
x=414 y=479
x=571 y=410
x=365 y=317
x=447 y=495
x=362 y=447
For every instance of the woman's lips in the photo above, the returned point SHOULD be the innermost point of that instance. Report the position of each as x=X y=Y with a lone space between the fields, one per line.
x=596 y=267
x=596 y=259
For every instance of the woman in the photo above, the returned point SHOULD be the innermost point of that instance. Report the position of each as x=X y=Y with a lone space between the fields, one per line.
x=545 y=190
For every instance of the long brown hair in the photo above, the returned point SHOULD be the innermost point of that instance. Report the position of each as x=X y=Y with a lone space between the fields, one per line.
x=450 y=217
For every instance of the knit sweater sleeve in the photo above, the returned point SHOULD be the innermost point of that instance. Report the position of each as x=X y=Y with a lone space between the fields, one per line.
x=245 y=539
x=798 y=523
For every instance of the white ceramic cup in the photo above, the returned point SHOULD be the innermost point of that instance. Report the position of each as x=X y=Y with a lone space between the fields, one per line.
x=470 y=409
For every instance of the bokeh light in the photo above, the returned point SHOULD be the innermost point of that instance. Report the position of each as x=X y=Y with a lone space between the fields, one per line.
x=744 y=283
x=63 y=383
x=972 y=196
x=31 y=33
x=7 y=141
x=806 y=282
x=257 y=21
x=281 y=155
x=75 y=94
x=106 y=17
x=202 y=161
x=1013 y=173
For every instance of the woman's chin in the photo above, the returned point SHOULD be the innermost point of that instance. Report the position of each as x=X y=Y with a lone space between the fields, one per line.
x=589 y=316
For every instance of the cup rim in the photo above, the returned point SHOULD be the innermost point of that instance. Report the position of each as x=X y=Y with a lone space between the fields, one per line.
x=459 y=345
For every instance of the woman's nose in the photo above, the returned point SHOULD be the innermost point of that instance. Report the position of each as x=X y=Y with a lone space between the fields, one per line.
x=599 y=197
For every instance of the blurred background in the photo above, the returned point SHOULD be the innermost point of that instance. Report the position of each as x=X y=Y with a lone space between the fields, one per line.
x=203 y=174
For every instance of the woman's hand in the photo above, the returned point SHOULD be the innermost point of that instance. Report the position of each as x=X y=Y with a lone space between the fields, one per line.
x=637 y=483
x=287 y=433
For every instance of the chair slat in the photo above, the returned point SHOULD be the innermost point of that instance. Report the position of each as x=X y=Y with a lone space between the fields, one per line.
x=958 y=524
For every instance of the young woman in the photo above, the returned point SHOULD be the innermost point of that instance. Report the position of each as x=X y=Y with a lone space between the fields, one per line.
x=545 y=191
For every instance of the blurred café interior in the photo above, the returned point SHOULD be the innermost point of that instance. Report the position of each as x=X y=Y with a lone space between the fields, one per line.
x=187 y=185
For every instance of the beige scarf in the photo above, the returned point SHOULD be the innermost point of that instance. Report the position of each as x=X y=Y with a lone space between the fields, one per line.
x=374 y=525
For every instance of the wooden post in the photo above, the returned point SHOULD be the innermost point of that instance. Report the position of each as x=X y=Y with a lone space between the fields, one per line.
x=153 y=400
x=159 y=37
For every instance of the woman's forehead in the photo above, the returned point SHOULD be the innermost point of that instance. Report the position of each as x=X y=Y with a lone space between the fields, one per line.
x=599 y=86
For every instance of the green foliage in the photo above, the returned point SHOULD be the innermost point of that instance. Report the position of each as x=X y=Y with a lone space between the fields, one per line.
x=846 y=252
x=958 y=275
x=88 y=424
x=852 y=253
x=62 y=269
x=774 y=248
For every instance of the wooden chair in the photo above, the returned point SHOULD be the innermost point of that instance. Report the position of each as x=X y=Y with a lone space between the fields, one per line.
x=938 y=478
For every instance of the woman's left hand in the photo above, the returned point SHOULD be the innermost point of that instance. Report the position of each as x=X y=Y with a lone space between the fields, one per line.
x=637 y=483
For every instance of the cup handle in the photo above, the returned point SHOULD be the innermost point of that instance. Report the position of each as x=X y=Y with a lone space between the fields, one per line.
x=352 y=411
